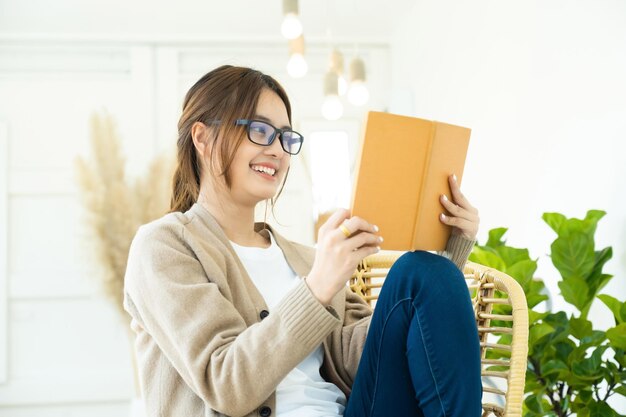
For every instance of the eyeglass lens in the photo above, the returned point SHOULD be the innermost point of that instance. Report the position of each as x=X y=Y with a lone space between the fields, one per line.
x=263 y=134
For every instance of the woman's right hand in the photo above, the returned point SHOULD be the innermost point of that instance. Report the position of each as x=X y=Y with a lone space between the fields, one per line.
x=337 y=256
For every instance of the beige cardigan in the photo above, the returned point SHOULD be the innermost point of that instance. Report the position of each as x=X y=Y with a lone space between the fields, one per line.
x=203 y=345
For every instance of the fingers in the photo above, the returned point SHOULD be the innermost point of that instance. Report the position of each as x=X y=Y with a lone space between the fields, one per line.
x=362 y=234
x=364 y=239
x=466 y=227
x=455 y=221
x=356 y=224
x=457 y=195
x=458 y=211
x=364 y=251
x=336 y=219
x=463 y=216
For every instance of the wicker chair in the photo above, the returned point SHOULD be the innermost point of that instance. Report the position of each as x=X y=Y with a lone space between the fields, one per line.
x=503 y=336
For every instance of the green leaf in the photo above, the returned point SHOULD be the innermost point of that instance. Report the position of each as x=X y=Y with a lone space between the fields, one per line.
x=593 y=216
x=617 y=336
x=523 y=272
x=601 y=257
x=558 y=319
x=554 y=220
x=562 y=350
x=511 y=255
x=534 y=316
x=533 y=402
x=575 y=291
x=527 y=413
x=573 y=225
x=535 y=292
x=532 y=384
x=553 y=366
x=621 y=390
x=596 y=283
x=580 y=327
x=573 y=256
x=620 y=357
x=585 y=395
x=539 y=331
x=601 y=409
x=595 y=339
x=487 y=258
x=596 y=279
x=612 y=373
x=618 y=308
x=495 y=237
x=590 y=369
x=533 y=299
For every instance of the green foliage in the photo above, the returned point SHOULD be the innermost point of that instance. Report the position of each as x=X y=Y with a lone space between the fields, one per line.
x=572 y=367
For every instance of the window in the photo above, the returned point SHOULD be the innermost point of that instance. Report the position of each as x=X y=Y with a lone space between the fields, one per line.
x=330 y=170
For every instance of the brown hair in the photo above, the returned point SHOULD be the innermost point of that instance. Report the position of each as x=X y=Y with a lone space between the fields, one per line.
x=226 y=94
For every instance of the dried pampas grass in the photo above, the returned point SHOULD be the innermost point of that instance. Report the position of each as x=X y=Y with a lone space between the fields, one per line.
x=115 y=206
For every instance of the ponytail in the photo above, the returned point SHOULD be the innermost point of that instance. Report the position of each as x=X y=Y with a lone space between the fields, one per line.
x=185 y=187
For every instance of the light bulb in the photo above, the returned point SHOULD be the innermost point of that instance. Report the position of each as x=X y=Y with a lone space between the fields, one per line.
x=297 y=66
x=332 y=109
x=291 y=27
x=358 y=94
x=342 y=85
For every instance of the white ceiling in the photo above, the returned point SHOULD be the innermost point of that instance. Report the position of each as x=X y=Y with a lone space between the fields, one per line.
x=348 y=20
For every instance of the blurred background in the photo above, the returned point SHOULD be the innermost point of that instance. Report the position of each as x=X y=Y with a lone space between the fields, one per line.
x=541 y=84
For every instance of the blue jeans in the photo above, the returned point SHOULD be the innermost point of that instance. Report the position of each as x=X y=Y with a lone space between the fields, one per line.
x=422 y=354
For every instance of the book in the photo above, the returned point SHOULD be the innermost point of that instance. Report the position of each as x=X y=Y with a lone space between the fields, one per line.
x=402 y=169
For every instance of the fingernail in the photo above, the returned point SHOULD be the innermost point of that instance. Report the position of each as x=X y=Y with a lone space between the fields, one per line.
x=380 y=238
x=454 y=177
x=375 y=228
x=377 y=248
x=443 y=216
x=444 y=197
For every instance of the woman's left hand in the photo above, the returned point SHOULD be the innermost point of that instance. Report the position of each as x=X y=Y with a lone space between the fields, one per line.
x=463 y=216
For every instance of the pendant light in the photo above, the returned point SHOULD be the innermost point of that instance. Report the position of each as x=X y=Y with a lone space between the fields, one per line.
x=291 y=27
x=358 y=94
x=332 y=108
x=297 y=66
x=336 y=65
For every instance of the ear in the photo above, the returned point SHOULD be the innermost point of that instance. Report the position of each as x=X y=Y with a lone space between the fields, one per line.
x=200 y=134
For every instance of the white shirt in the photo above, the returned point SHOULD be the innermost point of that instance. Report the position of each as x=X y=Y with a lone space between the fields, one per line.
x=303 y=392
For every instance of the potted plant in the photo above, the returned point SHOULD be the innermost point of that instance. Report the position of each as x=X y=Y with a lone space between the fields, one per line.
x=573 y=367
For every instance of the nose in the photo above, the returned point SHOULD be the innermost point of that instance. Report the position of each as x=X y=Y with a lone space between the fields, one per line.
x=275 y=149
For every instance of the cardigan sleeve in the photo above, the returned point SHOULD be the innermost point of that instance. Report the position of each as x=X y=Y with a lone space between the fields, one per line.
x=231 y=366
x=458 y=250
x=357 y=319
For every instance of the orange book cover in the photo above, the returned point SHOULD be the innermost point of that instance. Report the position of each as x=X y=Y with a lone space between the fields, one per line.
x=402 y=169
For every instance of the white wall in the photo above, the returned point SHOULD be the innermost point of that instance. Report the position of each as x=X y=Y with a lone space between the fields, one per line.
x=542 y=84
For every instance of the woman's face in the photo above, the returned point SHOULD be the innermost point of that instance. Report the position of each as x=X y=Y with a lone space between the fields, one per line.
x=249 y=183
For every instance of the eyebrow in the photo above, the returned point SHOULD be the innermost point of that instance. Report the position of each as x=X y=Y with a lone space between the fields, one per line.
x=266 y=119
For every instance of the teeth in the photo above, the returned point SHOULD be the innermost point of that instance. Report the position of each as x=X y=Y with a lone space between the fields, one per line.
x=269 y=171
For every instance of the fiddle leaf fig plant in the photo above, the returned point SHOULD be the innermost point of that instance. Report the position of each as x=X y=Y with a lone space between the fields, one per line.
x=573 y=367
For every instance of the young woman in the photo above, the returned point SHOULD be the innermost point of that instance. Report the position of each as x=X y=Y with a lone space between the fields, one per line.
x=232 y=319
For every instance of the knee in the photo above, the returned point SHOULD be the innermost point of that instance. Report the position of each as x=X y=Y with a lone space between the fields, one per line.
x=427 y=269
x=425 y=261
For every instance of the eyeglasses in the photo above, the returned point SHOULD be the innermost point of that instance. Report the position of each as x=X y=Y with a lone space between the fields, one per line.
x=263 y=133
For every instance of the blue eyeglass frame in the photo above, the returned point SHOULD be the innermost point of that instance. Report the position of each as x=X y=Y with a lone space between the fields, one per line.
x=246 y=122
x=277 y=131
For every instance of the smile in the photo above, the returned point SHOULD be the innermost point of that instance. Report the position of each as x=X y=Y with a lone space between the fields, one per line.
x=264 y=170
